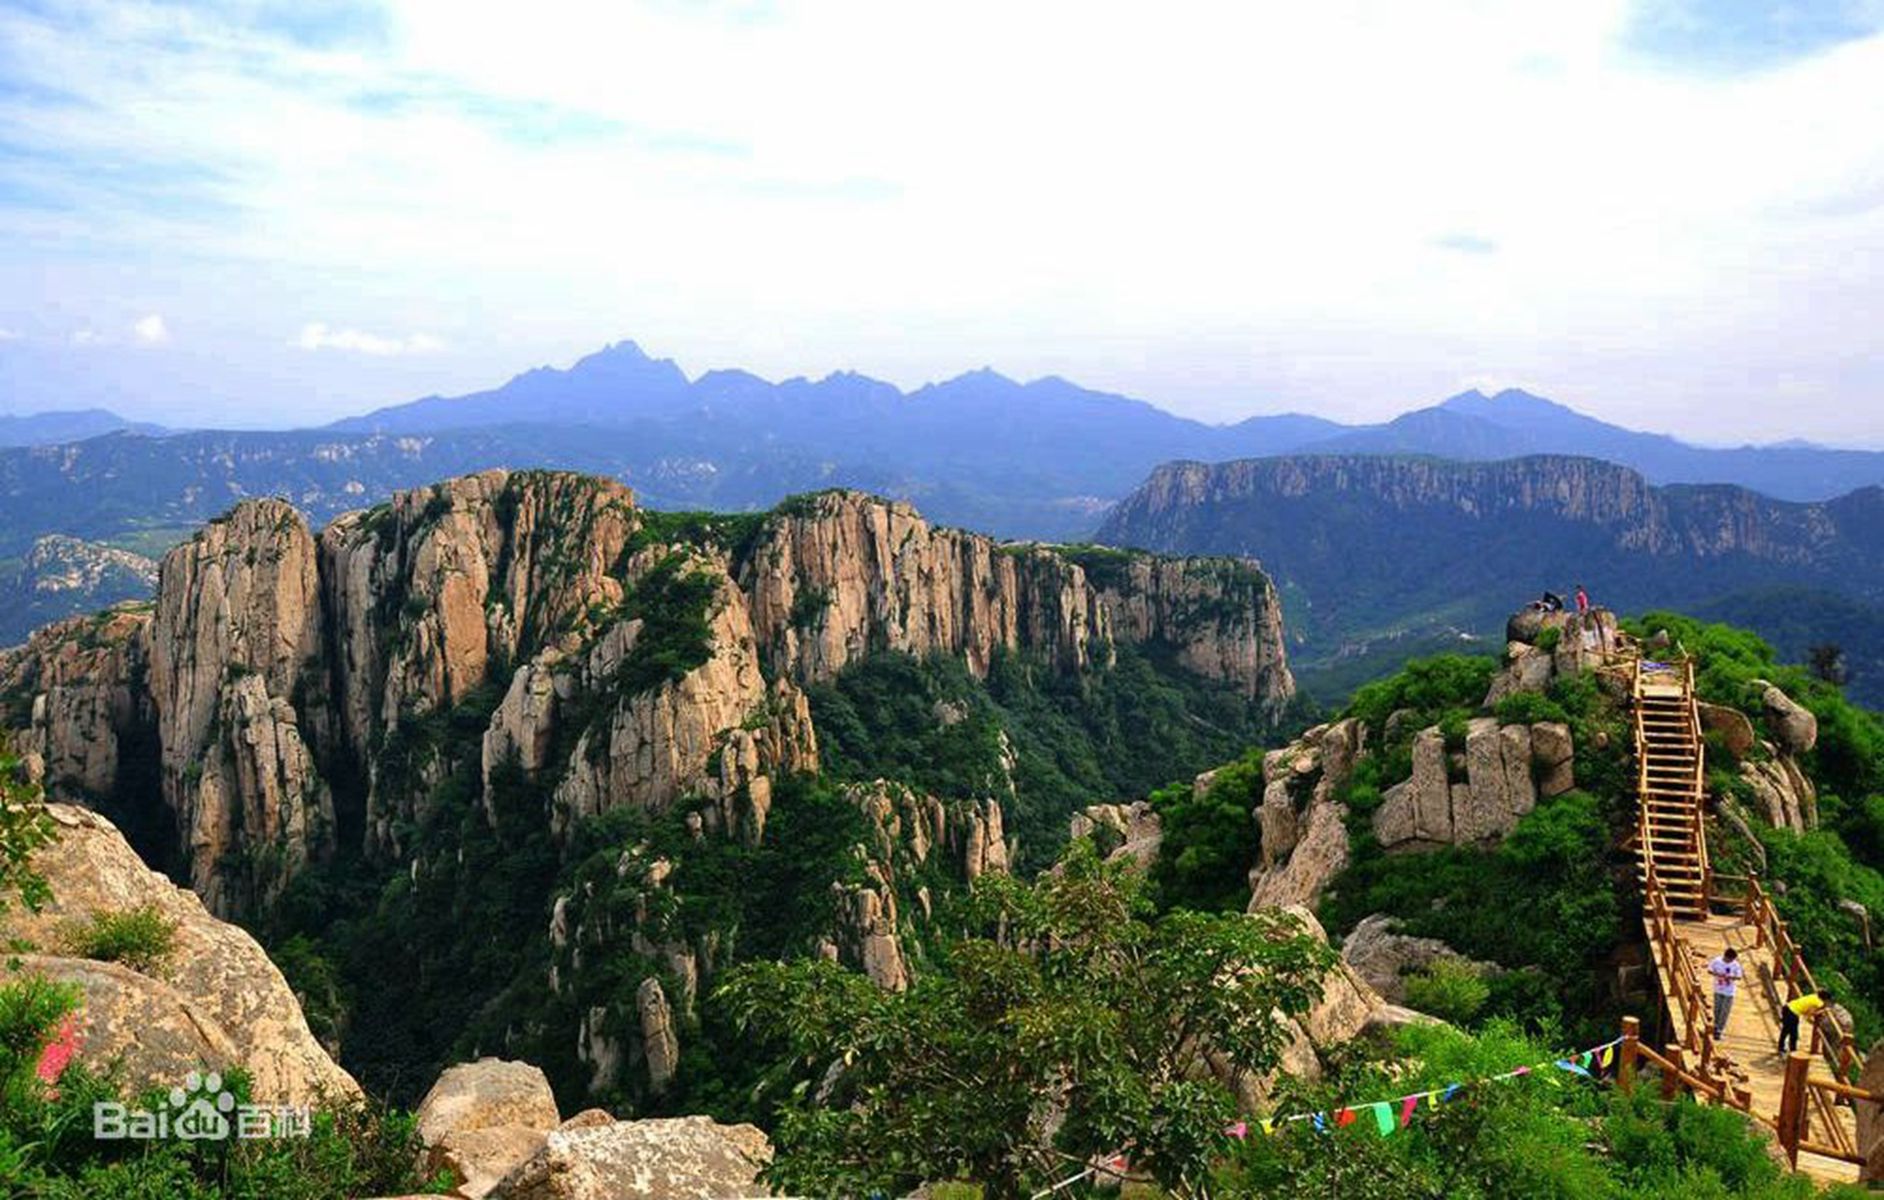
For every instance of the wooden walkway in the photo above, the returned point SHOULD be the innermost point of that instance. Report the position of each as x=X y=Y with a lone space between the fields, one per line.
x=1813 y=1118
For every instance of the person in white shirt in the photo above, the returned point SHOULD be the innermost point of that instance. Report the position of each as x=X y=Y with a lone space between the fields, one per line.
x=1726 y=970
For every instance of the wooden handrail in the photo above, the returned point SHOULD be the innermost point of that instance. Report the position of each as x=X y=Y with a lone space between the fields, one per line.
x=1789 y=964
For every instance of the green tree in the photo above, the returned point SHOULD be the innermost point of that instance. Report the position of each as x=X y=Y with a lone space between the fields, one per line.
x=1066 y=1022
x=24 y=828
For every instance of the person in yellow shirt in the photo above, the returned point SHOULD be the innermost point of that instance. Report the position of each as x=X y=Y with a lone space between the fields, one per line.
x=1808 y=1006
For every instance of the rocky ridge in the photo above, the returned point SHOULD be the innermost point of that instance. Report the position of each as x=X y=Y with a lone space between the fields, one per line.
x=295 y=688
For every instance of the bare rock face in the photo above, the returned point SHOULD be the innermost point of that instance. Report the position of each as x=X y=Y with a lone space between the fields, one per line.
x=154 y=1033
x=1303 y=816
x=844 y=574
x=1129 y=831
x=1383 y=958
x=1793 y=725
x=1735 y=731
x=1785 y=796
x=660 y=1046
x=81 y=698
x=678 y=1158
x=218 y=988
x=1506 y=769
x=482 y=1119
x=718 y=731
x=1583 y=641
x=237 y=633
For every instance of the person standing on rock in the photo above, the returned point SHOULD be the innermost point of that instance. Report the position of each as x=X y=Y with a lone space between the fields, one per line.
x=1809 y=1006
x=1583 y=602
x=1727 y=972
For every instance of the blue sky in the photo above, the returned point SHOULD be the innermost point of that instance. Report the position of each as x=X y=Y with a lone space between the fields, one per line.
x=256 y=213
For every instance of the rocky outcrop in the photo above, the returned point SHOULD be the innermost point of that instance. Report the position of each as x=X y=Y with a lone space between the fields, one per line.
x=149 y=1030
x=1384 y=957
x=840 y=574
x=1782 y=792
x=660 y=1045
x=217 y=991
x=483 y=1119
x=719 y=731
x=1794 y=728
x=680 y=1158
x=236 y=634
x=1124 y=831
x=1476 y=796
x=1730 y=726
x=78 y=692
x=1542 y=647
x=908 y=831
x=1303 y=815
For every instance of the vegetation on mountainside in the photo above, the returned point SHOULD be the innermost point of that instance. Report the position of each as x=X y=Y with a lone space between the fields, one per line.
x=1043 y=742
x=141 y=938
x=1065 y=989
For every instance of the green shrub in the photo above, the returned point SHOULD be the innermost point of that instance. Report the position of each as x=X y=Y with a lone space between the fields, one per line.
x=1448 y=989
x=141 y=938
x=1528 y=708
x=1549 y=637
x=1427 y=686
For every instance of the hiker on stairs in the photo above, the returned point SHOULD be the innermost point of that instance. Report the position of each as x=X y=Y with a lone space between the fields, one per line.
x=1807 y=1006
x=1727 y=972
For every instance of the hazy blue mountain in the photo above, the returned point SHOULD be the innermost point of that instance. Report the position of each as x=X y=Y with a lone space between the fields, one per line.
x=47 y=428
x=1514 y=423
x=1370 y=551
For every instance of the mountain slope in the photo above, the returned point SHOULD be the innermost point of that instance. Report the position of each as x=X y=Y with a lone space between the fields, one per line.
x=1367 y=547
x=512 y=746
x=49 y=428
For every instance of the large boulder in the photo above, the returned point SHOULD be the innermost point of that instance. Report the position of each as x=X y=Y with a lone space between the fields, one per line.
x=1784 y=793
x=152 y=1033
x=223 y=977
x=1793 y=725
x=1303 y=815
x=1731 y=725
x=481 y=1119
x=1383 y=957
x=678 y=1158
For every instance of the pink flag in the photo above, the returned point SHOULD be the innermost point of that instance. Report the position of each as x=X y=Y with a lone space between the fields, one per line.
x=1406 y=1109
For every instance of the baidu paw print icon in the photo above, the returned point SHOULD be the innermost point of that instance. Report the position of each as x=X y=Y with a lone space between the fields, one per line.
x=205 y=1108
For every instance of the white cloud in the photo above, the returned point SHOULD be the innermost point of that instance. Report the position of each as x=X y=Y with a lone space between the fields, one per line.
x=87 y=337
x=9 y=335
x=1217 y=205
x=318 y=336
x=151 y=330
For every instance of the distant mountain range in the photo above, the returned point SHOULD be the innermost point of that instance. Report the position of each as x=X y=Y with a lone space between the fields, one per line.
x=50 y=428
x=1043 y=460
x=1373 y=552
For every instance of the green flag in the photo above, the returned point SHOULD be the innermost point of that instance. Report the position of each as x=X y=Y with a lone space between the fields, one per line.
x=1383 y=1117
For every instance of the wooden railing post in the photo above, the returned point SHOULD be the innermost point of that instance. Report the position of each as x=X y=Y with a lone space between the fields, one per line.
x=1792 y=1105
x=1625 y=1064
x=1671 y=1079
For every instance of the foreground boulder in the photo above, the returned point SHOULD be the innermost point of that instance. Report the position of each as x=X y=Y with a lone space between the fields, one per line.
x=216 y=994
x=679 y=1158
x=482 y=1119
x=1383 y=957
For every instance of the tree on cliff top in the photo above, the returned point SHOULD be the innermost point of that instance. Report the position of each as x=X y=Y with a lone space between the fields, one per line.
x=1065 y=1024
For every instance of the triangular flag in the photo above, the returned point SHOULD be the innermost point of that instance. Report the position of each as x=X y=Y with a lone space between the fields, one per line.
x=1321 y=1121
x=1609 y=1053
x=1383 y=1117
x=1522 y=1071
x=1451 y=1094
x=1406 y=1109
x=1239 y=1131
x=1565 y=1064
x=1344 y=1118
x=1269 y=1127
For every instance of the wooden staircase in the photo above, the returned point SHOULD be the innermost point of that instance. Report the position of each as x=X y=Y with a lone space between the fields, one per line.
x=1670 y=835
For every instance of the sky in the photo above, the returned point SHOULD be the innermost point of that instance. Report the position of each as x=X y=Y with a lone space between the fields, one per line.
x=1668 y=214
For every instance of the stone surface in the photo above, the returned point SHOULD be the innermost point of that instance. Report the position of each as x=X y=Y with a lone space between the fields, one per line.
x=234 y=994
x=481 y=1119
x=1783 y=794
x=679 y=1158
x=1306 y=815
x=1871 y=1117
x=1131 y=831
x=1506 y=769
x=660 y=1044
x=150 y=1030
x=1730 y=724
x=1794 y=727
x=1383 y=957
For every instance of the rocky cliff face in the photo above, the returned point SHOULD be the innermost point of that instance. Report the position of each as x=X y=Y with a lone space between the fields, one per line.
x=299 y=691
